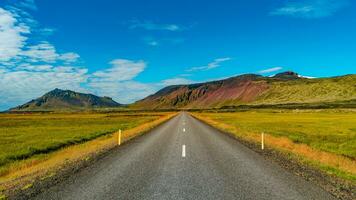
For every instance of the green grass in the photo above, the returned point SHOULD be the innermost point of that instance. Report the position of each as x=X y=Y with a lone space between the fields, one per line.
x=328 y=131
x=26 y=135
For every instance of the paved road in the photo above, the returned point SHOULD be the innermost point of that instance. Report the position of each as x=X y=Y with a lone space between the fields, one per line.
x=155 y=166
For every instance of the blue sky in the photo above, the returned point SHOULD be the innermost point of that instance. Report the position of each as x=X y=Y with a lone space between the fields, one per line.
x=128 y=49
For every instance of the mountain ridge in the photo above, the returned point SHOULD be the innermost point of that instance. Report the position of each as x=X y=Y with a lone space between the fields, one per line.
x=66 y=99
x=252 y=89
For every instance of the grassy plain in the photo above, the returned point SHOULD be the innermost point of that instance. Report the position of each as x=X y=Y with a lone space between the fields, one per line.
x=325 y=136
x=23 y=136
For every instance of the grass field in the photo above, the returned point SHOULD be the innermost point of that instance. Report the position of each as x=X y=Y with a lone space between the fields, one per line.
x=307 y=132
x=24 y=136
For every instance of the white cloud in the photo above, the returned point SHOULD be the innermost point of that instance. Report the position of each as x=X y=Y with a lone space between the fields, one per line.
x=33 y=68
x=117 y=81
x=309 y=77
x=150 y=41
x=153 y=43
x=41 y=52
x=124 y=91
x=269 y=70
x=46 y=52
x=176 y=81
x=121 y=70
x=12 y=35
x=147 y=25
x=310 y=8
x=69 y=57
x=47 y=31
x=28 y=4
x=216 y=63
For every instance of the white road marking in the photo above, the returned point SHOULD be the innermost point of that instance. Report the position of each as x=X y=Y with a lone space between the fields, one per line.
x=183 y=151
x=183 y=129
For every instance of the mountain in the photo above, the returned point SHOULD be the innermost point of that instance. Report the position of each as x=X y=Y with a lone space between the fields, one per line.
x=252 y=89
x=288 y=75
x=58 y=99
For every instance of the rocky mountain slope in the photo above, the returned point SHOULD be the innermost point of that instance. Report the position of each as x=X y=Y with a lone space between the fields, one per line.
x=251 y=89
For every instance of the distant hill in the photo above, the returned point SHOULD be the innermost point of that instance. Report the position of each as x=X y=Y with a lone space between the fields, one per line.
x=288 y=75
x=58 y=99
x=252 y=89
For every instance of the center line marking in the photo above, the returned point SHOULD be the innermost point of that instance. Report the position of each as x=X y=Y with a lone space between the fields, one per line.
x=183 y=151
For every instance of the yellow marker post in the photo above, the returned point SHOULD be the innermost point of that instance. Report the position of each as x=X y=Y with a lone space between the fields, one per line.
x=119 y=138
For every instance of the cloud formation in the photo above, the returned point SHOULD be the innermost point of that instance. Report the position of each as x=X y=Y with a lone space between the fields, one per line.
x=46 y=52
x=151 y=26
x=310 y=8
x=176 y=81
x=12 y=35
x=214 y=64
x=28 y=4
x=150 y=41
x=269 y=70
x=121 y=70
x=118 y=81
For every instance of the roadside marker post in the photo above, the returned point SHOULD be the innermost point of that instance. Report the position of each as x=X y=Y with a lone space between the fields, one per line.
x=262 y=141
x=119 y=138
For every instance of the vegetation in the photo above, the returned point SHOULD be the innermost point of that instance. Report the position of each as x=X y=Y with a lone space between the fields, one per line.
x=328 y=136
x=310 y=90
x=25 y=135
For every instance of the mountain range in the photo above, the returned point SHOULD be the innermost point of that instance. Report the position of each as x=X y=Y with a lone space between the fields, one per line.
x=251 y=89
x=243 y=90
x=58 y=99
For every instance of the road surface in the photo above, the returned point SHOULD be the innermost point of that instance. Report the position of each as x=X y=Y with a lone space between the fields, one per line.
x=184 y=159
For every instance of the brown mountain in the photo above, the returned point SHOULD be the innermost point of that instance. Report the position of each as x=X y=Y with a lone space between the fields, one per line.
x=251 y=89
x=58 y=99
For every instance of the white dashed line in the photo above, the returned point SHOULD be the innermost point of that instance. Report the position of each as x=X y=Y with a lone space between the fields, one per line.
x=183 y=129
x=183 y=151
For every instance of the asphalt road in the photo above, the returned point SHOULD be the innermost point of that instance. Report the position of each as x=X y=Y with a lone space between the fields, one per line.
x=184 y=159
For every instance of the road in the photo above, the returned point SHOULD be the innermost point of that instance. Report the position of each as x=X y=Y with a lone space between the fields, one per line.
x=184 y=159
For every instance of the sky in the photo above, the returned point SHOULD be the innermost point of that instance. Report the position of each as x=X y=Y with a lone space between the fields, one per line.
x=128 y=49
